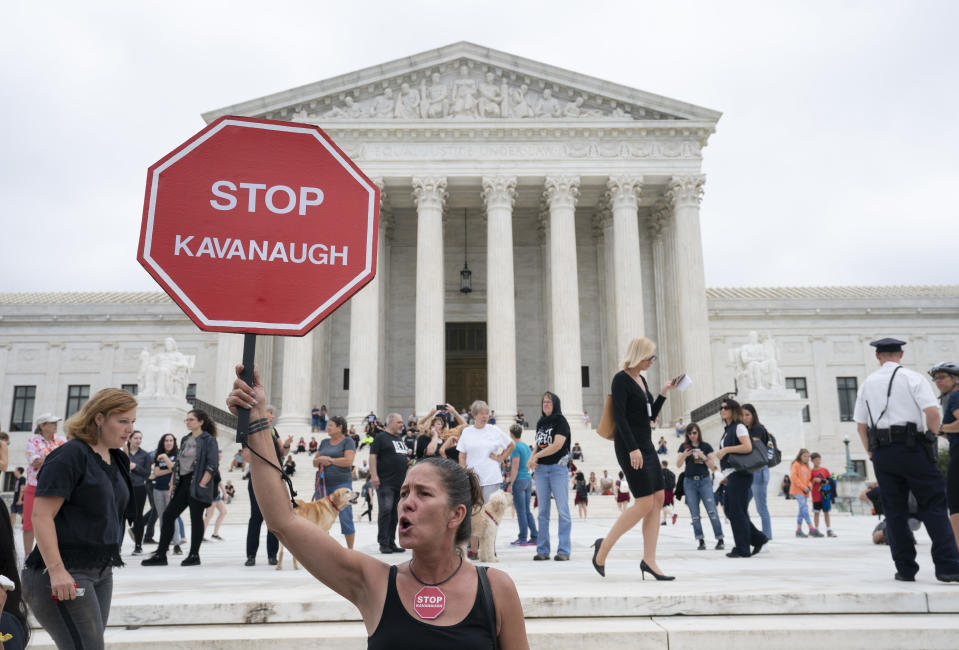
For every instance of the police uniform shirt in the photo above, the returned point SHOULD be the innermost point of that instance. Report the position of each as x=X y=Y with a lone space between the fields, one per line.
x=911 y=394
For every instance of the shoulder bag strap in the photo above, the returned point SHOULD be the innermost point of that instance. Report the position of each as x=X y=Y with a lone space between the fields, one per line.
x=888 y=393
x=487 y=593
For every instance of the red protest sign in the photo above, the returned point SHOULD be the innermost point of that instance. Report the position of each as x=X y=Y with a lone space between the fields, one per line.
x=259 y=226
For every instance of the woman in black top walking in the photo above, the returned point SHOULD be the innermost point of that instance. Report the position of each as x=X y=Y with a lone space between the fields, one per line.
x=82 y=492
x=139 y=474
x=737 y=440
x=435 y=600
x=634 y=409
x=195 y=482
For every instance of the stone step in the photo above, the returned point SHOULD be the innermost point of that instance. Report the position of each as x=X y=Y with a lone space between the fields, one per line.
x=852 y=632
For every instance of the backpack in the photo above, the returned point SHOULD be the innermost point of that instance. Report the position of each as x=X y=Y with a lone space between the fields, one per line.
x=775 y=455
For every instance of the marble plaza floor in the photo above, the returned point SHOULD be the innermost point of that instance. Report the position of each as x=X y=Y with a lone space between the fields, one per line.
x=802 y=592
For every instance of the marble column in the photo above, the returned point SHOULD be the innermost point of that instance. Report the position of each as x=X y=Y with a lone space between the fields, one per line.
x=561 y=194
x=623 y=196
x=365 y=388
x=429 y=194
x=603 y=223
x=691 y=324
x=669 y=357
x=229 y=353
x=499 y=194
x=296 y=390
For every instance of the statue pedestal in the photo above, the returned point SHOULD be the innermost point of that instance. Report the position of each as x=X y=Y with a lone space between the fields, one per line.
x=780 y=411
x=157 y=416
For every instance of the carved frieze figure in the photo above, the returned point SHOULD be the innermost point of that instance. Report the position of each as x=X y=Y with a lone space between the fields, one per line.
x=756 y=364
x=464 y=94
x=349 y=110
x=165 y=374
x=548 y=105
x=436 y=98
x=491 y=97
x=382 y=106
x=574 y=108
x=407 y=103
x=519 y=103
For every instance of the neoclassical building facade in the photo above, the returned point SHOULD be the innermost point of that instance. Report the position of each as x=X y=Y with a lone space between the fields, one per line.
x=574 y=202
x=575 y=205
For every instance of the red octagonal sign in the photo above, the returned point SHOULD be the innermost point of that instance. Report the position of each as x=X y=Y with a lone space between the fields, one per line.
x=259 y=226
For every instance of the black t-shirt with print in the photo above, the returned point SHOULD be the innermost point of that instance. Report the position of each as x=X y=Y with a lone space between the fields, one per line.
x=696 y=466
x=391 y=458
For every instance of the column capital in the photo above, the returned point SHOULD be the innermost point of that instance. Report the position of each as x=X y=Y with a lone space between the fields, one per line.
x=386 y=209
x=499 y=191
x=542 y=223
x=686 y=190
x=659 y=219
x=623 y=190
x=561 y=191
x=429 y=191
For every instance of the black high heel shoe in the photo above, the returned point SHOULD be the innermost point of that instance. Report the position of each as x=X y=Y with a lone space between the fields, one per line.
x=600 y=568
x=643 y=567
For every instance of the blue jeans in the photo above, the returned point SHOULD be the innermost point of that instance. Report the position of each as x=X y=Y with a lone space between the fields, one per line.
x=760 y=486
x=346 y=514
x=702 y=490
x=553 y=481
x=522 y=489
x=75 y=623
x=803 y=514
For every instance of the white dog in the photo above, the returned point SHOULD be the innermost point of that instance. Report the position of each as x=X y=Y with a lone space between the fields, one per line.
x=485 y=525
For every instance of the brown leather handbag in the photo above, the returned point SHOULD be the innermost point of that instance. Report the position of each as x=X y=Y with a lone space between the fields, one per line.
x=607 y=424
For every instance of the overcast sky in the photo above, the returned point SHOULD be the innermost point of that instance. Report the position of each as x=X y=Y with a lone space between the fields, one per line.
x=835 y=162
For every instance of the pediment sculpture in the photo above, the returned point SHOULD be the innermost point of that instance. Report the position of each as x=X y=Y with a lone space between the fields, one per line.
x=466 y=92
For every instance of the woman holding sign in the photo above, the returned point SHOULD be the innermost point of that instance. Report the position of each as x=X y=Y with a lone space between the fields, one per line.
x=435 y=599
x=634 y=409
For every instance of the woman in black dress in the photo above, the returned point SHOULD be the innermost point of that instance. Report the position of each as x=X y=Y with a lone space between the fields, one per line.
x=634 y=409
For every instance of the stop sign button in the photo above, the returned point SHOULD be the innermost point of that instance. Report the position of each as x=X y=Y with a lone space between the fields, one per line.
x=259 y=226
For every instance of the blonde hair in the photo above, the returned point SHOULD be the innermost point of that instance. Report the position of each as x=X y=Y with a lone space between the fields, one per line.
x=83 y=425
x=639 y=349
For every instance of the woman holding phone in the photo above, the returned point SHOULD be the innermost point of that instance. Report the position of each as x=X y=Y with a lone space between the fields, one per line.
x=634 y=409
x=697 y=457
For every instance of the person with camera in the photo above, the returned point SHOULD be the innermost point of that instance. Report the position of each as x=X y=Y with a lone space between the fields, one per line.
x=896 y=416
x=436 y=428
x=83 y=488
x=737 y=440
x=698 y=460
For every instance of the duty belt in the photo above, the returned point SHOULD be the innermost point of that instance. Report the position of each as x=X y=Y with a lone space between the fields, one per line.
x=894 y=435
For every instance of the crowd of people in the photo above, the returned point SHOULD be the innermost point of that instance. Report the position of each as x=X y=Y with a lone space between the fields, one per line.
x=79 y=495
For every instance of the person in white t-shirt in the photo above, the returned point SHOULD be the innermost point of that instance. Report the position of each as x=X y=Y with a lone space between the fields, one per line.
x=483 y=447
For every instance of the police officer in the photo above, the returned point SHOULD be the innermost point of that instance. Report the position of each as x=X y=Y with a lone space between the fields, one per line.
x=946 y=376
x=892 y=404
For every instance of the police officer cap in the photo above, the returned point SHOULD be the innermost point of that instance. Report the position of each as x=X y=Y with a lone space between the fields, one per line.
x=888 y=345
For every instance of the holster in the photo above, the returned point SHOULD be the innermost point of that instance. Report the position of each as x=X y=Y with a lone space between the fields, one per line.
x=877 y=437
x=931 y=444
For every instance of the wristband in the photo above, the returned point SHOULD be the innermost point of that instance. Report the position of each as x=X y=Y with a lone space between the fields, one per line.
x=259 y=425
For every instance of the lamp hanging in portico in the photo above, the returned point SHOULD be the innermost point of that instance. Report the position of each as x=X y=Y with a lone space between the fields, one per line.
x=466 y=276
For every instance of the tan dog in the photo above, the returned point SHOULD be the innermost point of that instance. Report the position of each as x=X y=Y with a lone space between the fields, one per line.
x=485 y=525
x=323 y=513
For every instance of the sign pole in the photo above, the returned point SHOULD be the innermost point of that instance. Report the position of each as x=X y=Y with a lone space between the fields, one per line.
x=242 y=414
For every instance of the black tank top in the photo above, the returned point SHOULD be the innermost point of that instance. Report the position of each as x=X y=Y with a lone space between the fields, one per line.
x=398 y=630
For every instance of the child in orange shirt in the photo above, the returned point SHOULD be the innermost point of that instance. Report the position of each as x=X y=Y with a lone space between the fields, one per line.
x=800 y=488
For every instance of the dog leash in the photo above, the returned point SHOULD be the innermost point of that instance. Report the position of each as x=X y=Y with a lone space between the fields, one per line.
x=263 y=425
